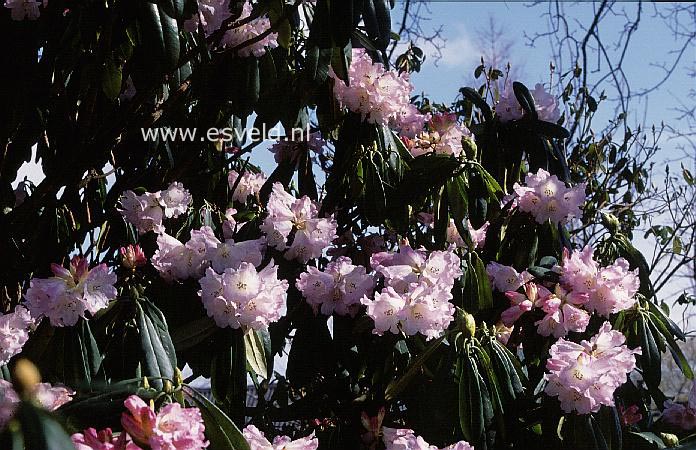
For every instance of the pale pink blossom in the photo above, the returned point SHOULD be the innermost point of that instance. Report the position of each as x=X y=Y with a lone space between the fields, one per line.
x=546 y=105
x=682 y=416
x=385 y=310
x=338 y=289
x=506 y=278
x=175 y=200
x=211 y=14
x=287 y=214
x=172 y=428
x=230 y=254
x=239 y=35
x=380 y=96
x=244 y=297
x=91 y=439
x=71 y=293
x=444 y=137
x=609 y=289
x=42 y=394
x=406 y=439
x=258 y=441
x=584 y=376
x=143 y=211
x=248 y=185
x=177 y=261
x=289 y=149
x=229 y=224
x=132 y=256
x=546 y=197
x=401 y=269
x=478 y=236
x=14 y=332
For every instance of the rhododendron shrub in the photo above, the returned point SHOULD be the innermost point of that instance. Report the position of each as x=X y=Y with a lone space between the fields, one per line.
x=402 y=274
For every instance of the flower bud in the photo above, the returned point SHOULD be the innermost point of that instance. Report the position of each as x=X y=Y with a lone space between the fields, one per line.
x=25 y=376
x=168 y=388
x=132 y=257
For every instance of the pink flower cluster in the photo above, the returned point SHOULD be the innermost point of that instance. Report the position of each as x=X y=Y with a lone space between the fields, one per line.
x=286 y=214
x=14 y=332
x=380 y=96
x=444 y=137
x=211 y=15
x=257 y=441
x=71 y=293
x=682 y=416
x=609 y=289
x=546 y=105
x=249 y=185
x=338 y=289
x=417 y=293
x=506 y=278
x=147 y=210
x=584 y=288
x=177 y=261
x=547 y=198
x=172 y=428
x=25 y=9
x=584 y=376
x=91 y=439
x=405 y=439
x=44 y=394
x=563 y=309
x=244 y=297
x=289 y=149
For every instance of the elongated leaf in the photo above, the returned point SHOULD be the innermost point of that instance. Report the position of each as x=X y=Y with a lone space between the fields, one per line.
x=159 y=355
x=396 y=387
x=222 y=433
x=193 y=333
x=257 y=344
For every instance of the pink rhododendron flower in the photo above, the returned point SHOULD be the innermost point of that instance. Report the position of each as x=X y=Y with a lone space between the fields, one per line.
x=257 y=441
x=43 y=394
x=147 y=210
x=230 y=254
x=71 y=293
x=175 y=200
x=285 y=214
x=172 y=428
x=243 y=296
x=407 y=266
x=546 y=197
x=424 y=309
x=584 y=376
x=132 y=256
x=211 y=14
x=229 y=224
x=506 y=278
x=682 y=416
x=444 y=137
x=610 y=289
x=338 y=289
x=240 y=34
x=546 y=105
x=405 y=439
x=249 y=184
x=289 y=149
x=14 y=332
x=91 y=439
x=380 y=96
x=24 y=9
x=143 y=211
x=177 y=261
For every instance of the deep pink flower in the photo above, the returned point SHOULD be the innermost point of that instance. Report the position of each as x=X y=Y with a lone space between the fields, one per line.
x=91 y=439
x=132 y=256
x=630 y=416
x=173 y=428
